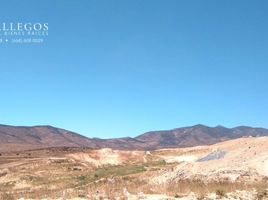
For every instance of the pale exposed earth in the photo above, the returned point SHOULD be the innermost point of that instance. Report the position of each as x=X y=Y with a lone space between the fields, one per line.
x=245 y=160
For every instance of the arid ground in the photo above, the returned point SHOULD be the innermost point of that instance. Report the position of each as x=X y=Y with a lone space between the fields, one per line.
x=235 y=169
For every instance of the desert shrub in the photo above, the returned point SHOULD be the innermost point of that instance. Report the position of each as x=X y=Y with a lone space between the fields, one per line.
x=220 y=192
x=262 y=194
x=178 y=196
x=81 y=178
x=126 y=178
x=6 y=196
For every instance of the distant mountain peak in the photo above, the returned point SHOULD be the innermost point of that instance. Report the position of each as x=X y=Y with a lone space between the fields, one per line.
x=200 y=126
x=220 y=126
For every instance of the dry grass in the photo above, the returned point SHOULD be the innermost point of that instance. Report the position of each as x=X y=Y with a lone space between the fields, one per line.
x=113 y=187
x=64 y=178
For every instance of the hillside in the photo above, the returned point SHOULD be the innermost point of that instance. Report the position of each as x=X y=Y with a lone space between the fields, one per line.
x=197 y=135
x=14 y=138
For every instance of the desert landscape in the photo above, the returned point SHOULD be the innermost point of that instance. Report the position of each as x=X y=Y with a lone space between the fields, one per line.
x=232 y=169
x=133 y=100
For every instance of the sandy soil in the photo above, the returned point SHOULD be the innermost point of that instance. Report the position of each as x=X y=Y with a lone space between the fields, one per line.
x=242 y=160
x=245 y=159
x=108 y=157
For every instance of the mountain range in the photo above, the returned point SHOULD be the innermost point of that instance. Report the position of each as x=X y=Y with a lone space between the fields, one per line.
x=16 y=138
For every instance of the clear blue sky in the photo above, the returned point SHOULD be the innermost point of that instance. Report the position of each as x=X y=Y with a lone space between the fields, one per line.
x=113 y=68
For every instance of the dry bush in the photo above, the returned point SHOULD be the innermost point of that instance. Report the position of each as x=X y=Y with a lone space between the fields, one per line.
x=262 y=194
x=200 y=188
x=220 y=193
x=6 y=196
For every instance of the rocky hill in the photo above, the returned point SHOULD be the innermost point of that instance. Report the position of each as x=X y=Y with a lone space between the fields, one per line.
x=14 y=138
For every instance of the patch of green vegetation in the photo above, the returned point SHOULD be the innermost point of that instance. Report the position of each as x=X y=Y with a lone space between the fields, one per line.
x=155 y=163
x=110 y=171
x=82 y=180
x=118 y=171
x=60 y=161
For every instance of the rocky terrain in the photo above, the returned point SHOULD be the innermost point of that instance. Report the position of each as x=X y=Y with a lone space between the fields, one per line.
x=234 y=169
